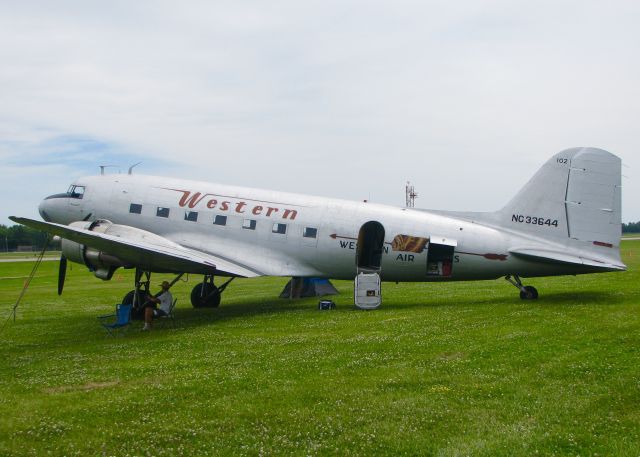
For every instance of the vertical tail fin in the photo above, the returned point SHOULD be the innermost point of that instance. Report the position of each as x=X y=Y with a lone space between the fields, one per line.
x=575 y=195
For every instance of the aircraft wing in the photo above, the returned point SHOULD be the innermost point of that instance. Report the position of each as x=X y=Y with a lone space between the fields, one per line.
x=566 y=257
x=151 y=253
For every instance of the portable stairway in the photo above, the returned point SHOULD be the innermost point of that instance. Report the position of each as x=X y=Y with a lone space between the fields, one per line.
x=366 y=292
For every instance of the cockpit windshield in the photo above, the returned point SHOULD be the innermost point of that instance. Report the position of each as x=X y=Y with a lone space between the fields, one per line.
x=76 y=191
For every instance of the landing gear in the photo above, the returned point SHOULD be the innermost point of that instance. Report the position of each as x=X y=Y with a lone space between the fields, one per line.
x=138 y=297
x=526 y=292
x=529 y=293
x=131 y=299
x=206 y=294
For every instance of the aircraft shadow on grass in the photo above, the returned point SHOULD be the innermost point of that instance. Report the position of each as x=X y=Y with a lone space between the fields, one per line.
x=581 y=298
x=571 y=298
x=190 y=317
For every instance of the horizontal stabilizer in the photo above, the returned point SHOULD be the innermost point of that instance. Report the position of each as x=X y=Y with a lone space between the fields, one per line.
x=565 y=257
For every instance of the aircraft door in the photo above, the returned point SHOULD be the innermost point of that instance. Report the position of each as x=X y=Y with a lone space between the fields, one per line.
x=440 y=256
x=370 y=247
x=369 y=264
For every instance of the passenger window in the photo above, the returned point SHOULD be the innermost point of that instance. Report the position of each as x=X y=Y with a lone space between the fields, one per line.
x=191 y=216
x=135 y=208
x=310 y=232
x=279 y=228
x=249 y=224
x=219 y=219
x=162 y=212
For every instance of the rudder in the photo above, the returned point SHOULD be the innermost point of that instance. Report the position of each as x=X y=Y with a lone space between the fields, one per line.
x=576 y=194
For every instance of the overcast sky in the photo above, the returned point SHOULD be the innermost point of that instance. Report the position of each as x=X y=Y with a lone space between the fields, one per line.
x=349 y=99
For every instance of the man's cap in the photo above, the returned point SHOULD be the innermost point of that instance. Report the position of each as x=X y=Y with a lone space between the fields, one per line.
x=165 y=284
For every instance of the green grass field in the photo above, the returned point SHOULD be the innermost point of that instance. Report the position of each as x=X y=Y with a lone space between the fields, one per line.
x=440 y=369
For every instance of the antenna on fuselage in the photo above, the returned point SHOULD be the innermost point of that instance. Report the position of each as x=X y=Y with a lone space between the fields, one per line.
x=130 y=172
x=102 y=167
x=410 y=195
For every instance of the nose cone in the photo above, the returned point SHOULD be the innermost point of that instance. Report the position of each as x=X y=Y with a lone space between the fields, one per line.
x=55 y=208
x=42 y=209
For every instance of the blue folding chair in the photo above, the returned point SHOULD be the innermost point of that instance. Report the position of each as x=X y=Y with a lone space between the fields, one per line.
x=122 y=319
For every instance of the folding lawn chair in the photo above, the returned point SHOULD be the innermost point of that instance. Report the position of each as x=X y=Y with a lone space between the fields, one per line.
x=169 y=316
x=122 y=319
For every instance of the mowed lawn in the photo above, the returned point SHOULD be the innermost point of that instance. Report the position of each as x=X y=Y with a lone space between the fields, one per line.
x=439 y=369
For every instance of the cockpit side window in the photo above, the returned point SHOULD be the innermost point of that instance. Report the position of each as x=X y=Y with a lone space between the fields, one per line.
x=76 y=192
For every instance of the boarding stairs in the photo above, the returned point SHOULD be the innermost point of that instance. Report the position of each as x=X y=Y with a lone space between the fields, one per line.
x=366 y=292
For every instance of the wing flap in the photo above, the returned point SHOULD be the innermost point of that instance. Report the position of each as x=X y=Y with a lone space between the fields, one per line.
x=152 y=253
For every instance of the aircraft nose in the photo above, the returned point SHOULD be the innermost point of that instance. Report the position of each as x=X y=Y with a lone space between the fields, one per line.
x=42 y=209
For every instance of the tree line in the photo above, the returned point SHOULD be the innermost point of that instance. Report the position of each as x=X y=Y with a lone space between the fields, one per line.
x=631 y=227
x=18 y=236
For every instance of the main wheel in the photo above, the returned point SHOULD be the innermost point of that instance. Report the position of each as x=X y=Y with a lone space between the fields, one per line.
x=529 y=293
x=207 y=298
x=136 y=313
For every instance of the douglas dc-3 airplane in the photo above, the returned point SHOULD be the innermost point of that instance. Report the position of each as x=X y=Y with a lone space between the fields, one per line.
x=565 y=221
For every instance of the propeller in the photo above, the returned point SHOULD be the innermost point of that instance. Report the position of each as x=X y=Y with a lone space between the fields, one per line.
x=62 y=273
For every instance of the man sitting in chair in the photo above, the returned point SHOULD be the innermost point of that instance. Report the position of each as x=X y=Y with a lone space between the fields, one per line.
x=151 y=309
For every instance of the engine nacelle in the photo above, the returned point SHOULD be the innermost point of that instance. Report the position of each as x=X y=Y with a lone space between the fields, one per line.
x=101 y=264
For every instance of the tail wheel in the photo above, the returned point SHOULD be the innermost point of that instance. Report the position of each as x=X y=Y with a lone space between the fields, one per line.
x=529 y=293
x=526 y=292
x=205 y=295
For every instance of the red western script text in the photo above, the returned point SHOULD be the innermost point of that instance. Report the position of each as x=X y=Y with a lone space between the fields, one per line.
x=212 y=201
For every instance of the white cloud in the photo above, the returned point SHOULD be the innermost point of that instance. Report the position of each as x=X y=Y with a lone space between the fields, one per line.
x=347 y=99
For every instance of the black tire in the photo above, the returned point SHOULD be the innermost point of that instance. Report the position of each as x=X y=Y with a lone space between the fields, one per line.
x=128 y=299
x=210 y=298
x=529 y=293
x=136 y=313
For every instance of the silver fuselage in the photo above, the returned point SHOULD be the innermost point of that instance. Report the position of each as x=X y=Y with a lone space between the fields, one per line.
x=481 y=248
